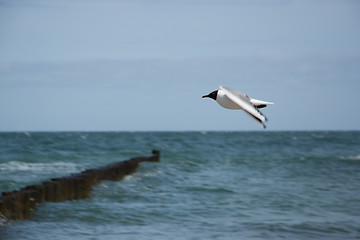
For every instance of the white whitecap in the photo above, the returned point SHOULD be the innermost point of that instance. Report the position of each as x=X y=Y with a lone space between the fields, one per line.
x=128 y=178
x=354 y=157
x=3 y=220
x=27 y=134
x=140 y=175
x=39 y=167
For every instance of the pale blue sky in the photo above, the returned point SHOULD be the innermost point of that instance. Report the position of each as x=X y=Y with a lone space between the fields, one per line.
x=144 y=65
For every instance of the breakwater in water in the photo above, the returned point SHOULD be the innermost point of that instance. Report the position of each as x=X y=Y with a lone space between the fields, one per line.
x=210 y=185
x=17 y=205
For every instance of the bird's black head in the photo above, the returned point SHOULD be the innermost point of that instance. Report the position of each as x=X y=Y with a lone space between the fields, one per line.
x=212 y=95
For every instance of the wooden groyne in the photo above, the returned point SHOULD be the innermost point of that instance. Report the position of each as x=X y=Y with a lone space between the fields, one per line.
x=19 y=204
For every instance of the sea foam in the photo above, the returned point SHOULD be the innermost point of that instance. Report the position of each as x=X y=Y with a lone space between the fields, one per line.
x=14 y=166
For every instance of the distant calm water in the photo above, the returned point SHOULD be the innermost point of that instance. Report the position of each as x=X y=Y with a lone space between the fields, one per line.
x=208 y=185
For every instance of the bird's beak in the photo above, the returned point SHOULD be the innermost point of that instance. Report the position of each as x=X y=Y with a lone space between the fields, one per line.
x=205 y=96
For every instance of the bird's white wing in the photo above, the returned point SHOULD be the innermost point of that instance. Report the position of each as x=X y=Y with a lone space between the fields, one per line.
x=244 y=102
x=259 y=103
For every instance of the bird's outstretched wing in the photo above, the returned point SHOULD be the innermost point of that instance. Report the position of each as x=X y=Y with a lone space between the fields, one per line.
x=244 y=102
x=259 y=103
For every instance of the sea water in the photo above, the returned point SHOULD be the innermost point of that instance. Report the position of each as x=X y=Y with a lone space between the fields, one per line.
x=207 y=185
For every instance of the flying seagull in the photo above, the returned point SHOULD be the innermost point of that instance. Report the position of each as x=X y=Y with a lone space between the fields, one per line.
x=232 y=99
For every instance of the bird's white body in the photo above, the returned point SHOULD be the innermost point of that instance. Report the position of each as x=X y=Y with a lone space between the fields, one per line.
x=232 y=99
x=226 y=102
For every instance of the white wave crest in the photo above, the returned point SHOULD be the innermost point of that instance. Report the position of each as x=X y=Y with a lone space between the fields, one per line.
x=3 y=220
x=15 y=166
x=138 y=176
x=354 y=157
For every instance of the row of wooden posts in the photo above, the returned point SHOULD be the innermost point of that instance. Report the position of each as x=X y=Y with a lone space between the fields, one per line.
x=19 y=204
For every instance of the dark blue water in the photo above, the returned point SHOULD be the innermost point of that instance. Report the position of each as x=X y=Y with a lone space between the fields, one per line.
x=208 y=185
